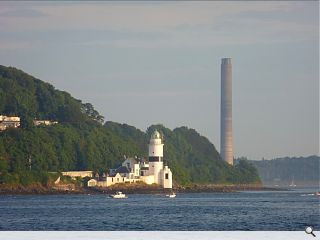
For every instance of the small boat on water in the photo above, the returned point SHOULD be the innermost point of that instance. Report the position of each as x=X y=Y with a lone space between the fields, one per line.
x=118 y=195
x=171 y=195
x=312 y=194
x=292 y=183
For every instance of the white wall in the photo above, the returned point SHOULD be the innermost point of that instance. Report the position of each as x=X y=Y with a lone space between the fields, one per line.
x=147 y=179
x=92 y=183
x=75 y=174
x=166 y=183
x=136 y=170
x=155 y=148
x=155 y=169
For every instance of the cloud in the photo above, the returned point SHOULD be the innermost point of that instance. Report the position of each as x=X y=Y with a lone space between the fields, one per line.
x=141 y=17
x=179 y=24
x=22 y=13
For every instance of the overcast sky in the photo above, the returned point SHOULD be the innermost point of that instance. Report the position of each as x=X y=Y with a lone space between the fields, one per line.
x=143 y=63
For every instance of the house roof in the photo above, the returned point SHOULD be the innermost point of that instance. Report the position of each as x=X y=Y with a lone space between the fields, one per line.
x=133 y=160
x=122 y=169
x=115 y=174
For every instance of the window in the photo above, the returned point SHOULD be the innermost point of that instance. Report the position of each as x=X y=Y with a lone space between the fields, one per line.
x=123 y=179
x=117 y=179
x=154 y=159
x=167 y=176
x=111 y=179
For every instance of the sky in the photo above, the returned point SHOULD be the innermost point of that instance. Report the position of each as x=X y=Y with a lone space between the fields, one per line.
x=144 y=63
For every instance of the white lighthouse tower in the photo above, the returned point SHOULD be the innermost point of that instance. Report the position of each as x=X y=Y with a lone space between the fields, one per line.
x=162 y=176
x=156 y=156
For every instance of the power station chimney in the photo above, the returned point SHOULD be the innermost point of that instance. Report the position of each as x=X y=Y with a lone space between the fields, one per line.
x=226 y=146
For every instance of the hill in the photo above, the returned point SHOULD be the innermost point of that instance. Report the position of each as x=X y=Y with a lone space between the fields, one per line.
x=304 y=171
x=80 y=142
x=31 y=98
x=192 y=158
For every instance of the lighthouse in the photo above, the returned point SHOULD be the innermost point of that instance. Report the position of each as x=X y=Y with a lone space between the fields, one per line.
x=162 y=175
x=156 y=156
x=133 y=170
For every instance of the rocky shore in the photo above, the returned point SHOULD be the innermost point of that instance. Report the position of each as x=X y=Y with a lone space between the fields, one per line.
x=38 y=189
x=197 y=188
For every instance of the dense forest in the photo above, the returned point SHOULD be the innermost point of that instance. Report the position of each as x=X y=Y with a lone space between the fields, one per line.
x=80 y=141
x=302 y=171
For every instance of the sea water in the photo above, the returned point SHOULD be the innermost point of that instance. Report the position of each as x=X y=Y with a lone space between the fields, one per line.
x=260 y=210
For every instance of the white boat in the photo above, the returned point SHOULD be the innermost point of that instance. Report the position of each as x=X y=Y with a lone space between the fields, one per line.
x=292 y=183
x=118 y=195
x=312 y=194
x=171 y=195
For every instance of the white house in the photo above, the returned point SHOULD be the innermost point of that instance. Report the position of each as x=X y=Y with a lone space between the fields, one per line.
x=75 y=174
x=133 y=165
x=92 y=182
x=44 y=122
x=9 y=122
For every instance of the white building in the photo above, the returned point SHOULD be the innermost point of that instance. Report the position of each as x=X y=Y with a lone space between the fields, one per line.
x=138 y=170
x=162 y=174
x=9 y=122
x=92 y=182
x=133 y=165
x=44 y=122
x=80 y=174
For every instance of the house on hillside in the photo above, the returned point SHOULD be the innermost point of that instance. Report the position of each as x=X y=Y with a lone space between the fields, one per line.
x=44 y=122
x=9 y=122
x=80 y=174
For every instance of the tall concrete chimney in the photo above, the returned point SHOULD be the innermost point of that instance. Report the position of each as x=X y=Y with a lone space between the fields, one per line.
x=226 y=146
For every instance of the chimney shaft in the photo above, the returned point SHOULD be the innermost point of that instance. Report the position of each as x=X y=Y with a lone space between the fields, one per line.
x=226 y=146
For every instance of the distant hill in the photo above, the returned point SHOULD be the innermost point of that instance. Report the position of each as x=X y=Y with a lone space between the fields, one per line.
x=80 y=142
x=303 y=171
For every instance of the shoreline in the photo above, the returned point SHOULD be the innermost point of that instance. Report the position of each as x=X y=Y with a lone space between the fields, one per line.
x=138 y=189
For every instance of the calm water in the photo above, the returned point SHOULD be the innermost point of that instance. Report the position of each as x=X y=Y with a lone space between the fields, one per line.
x=199 y=211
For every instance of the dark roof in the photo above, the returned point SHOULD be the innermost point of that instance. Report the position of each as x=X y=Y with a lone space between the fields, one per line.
x=122 y=169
